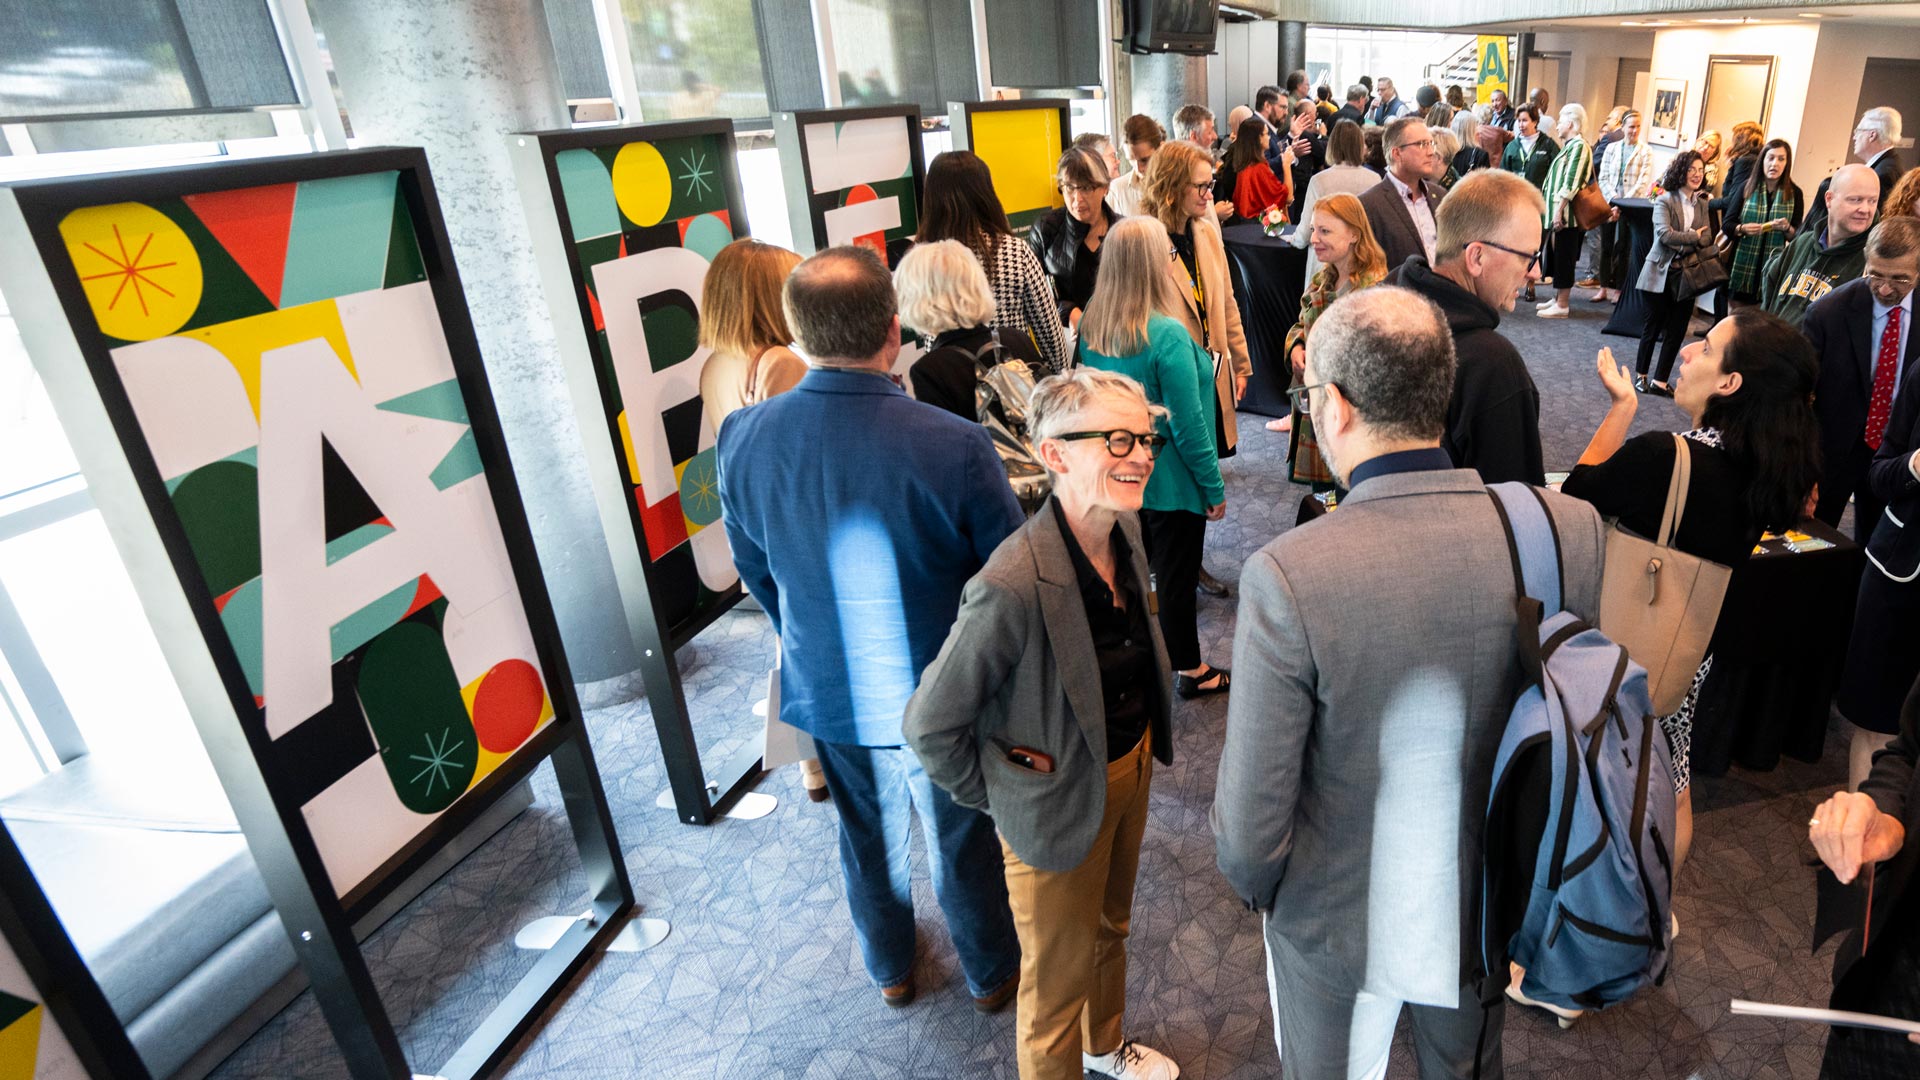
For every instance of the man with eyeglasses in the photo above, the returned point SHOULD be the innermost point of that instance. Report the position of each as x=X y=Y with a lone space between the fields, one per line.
x=1827 y=253
x=1862 y=334
x=1487 y=233
x=1874 y=140
x=1374 y=667
x=1400 y=208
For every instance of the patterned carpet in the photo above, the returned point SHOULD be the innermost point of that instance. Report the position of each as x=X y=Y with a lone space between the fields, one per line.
x=761 y=977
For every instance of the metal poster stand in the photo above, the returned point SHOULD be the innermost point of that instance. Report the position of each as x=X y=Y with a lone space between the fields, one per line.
x=72 y=355
x=653 y=588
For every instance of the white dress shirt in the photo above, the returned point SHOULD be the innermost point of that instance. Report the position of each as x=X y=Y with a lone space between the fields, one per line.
x=1880 y=313
x=1422 y=211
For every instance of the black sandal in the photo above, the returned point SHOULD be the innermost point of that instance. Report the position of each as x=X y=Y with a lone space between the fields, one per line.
x=1189 y=686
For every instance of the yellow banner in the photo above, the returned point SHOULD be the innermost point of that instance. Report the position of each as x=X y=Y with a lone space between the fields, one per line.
x=1492 y=51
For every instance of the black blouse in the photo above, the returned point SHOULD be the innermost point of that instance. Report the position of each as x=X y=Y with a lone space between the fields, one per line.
x=1632 y=486
x=945 y=377
x=1122 y=642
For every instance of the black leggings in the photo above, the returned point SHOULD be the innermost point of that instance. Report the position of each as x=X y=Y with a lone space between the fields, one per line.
x=1563 y=253
x=1667 y=321
x=1175 y=541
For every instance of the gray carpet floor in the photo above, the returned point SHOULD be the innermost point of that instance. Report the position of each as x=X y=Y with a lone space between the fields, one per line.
x=761 y=977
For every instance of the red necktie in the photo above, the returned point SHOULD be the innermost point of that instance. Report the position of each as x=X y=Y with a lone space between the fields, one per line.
x=1884 y=370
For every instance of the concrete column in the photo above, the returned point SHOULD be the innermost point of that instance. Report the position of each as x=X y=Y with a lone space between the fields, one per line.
x=456 y=76
x=1163 y=82
x=1517 y=86
x=1293 y=49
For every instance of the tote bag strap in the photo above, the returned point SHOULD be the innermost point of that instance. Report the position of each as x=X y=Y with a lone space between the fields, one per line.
x=1676 y=492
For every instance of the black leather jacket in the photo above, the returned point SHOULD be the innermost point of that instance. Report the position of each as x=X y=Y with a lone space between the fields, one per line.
x=1061 y=243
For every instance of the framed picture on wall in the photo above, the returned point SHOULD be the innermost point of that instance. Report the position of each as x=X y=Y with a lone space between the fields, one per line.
x=1739 y=88
x=1669 y=102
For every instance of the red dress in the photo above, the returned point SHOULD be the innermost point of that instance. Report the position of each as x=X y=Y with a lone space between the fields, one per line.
x=1257 y=188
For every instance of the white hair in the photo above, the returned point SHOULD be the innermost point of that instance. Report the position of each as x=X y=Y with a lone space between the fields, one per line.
x=1060 y=400
x=1576 y=114
x=1883 y=119
x=941 y=287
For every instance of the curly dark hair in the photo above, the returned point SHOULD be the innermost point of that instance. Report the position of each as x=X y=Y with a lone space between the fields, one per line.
x=1676 y=175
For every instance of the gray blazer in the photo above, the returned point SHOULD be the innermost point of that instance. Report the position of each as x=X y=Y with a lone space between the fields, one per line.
x=1018 y=669
x=1669 y=240
x=1374 y=668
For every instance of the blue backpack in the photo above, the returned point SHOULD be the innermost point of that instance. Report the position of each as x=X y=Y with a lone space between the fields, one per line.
x=1580 y=820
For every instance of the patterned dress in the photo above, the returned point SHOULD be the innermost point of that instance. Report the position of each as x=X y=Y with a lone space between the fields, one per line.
x=1023 y=300
x=1303 y=452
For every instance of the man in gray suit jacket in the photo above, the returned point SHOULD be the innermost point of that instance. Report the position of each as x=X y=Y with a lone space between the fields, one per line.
x=1375 y=664
x=1400 y=208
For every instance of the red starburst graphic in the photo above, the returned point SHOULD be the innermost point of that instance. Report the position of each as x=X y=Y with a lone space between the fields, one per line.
x=131 y=271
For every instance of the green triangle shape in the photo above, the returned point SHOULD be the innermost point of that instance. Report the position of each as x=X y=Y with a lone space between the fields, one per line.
x=441 y=401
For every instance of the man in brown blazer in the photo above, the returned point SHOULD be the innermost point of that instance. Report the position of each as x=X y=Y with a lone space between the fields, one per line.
x=1400 y=208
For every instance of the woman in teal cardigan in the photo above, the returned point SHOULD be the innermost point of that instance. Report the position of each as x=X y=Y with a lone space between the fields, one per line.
x=1128 y=327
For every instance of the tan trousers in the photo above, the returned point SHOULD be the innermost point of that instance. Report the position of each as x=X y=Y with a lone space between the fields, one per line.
x=1073 y=934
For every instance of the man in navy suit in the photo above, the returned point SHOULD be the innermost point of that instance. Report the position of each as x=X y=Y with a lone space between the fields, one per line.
x=1861 y=333
x=856 y=515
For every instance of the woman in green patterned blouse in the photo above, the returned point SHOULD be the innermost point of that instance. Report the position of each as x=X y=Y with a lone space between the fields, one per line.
x=1572 y=169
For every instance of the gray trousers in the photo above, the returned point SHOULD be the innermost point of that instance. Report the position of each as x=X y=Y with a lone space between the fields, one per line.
x=1327 y=1031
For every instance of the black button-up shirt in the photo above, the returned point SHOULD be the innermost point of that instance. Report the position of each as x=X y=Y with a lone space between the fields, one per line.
x=1122 y=642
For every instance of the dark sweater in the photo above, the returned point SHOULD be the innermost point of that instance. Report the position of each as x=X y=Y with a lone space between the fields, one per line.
x=1807 y=269
x=945 y=377
x=1493 y=417
x=1632 y=486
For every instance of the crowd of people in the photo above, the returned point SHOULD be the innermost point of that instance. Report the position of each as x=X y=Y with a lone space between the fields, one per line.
x=1010 y=678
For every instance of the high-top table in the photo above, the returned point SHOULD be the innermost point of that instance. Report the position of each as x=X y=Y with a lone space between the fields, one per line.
x=1269 y=276
x=1630 y=314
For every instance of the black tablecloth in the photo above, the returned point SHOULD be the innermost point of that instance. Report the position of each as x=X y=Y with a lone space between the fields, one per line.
x=1630 y=314
x=1778 y=653
x=1270 y=274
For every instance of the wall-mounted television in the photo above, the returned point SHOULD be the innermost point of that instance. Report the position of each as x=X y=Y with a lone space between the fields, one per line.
x=1169 y=26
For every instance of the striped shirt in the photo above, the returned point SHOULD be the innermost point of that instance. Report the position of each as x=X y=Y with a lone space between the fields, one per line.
x=1571 y=170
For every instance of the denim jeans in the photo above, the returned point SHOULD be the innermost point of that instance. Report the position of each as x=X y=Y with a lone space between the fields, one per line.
x=876 y=790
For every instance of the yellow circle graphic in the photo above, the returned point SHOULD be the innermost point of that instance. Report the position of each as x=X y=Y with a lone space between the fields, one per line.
x=641 y=183
x=140 y=272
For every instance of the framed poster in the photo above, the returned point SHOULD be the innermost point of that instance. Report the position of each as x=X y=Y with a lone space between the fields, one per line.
x=269 y=372
x=1669 y=103
x=1021 y=141
x=625 y=221
x=1738 y=88
x=853 y=176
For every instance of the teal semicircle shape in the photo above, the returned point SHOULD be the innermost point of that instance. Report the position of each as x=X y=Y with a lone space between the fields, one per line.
x=587 y=188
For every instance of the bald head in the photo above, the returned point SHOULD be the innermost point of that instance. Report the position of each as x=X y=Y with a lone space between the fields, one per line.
x=840 y=304
x=1853 y=197
x=1235 y=115
x=1389 y=351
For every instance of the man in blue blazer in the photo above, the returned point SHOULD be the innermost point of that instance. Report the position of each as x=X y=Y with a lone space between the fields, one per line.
x=1861 y=332
x=856 y=516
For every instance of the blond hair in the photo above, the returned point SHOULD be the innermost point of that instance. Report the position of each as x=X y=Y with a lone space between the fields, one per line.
x=1168 y=176
x=941 y=287
x=740 y=308
x=1132 y=286
x=1478 y=207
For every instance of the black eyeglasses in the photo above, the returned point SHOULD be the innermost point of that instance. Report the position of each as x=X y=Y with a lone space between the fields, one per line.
x=1120 y=442
x=1301 y=395
x=1532 y=257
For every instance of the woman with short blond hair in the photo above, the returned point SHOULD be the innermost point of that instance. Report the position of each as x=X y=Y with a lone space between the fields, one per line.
x=1131 y=327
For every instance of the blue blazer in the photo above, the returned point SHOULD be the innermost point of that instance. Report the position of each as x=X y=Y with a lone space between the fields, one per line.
x=856 y=516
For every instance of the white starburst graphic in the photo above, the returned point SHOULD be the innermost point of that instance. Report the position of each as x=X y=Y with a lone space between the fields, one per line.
x=697 y=173
x=438 y=760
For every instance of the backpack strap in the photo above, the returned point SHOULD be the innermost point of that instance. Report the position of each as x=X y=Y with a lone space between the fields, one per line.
x=1531 y=542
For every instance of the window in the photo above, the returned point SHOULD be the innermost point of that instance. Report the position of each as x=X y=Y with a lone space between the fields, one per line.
x=904 y=51
x=105 y=57
x=696 y=58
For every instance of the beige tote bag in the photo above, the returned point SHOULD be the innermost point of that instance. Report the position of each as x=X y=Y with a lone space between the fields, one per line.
x=1660 y=603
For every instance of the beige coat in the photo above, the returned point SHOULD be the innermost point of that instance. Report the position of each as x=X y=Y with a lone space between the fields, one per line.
x=1225 y=337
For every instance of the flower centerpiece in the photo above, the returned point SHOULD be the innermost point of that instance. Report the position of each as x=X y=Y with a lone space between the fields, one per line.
x=1272 y=220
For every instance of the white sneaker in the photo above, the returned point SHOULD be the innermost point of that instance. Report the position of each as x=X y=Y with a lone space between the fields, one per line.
x=1553 y=311
x=1567 y=1016
x=1132 y=1062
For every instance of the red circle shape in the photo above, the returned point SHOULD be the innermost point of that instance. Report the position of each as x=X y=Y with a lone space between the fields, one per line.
x=507 y=706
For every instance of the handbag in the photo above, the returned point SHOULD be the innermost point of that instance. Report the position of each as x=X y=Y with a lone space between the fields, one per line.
x=1590 y=208
x=1660 y=603
x=1696 y=273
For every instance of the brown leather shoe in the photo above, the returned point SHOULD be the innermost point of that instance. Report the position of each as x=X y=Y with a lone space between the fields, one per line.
x=819 y=794
x=997 y=1000
x=898 y=996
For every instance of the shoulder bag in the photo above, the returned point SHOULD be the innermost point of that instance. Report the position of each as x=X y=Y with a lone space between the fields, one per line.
x=1590 y=208
x=1660 y=602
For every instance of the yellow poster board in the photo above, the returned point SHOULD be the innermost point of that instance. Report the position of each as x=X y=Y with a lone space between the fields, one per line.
x=1021 y=148
x=1493 y=56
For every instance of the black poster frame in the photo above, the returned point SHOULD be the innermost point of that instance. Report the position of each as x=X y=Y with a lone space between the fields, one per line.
x=806 y=210
x=699 y=796
x=319 y=921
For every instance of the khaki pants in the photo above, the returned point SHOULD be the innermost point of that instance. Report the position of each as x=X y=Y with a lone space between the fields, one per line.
x=1073 y=934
